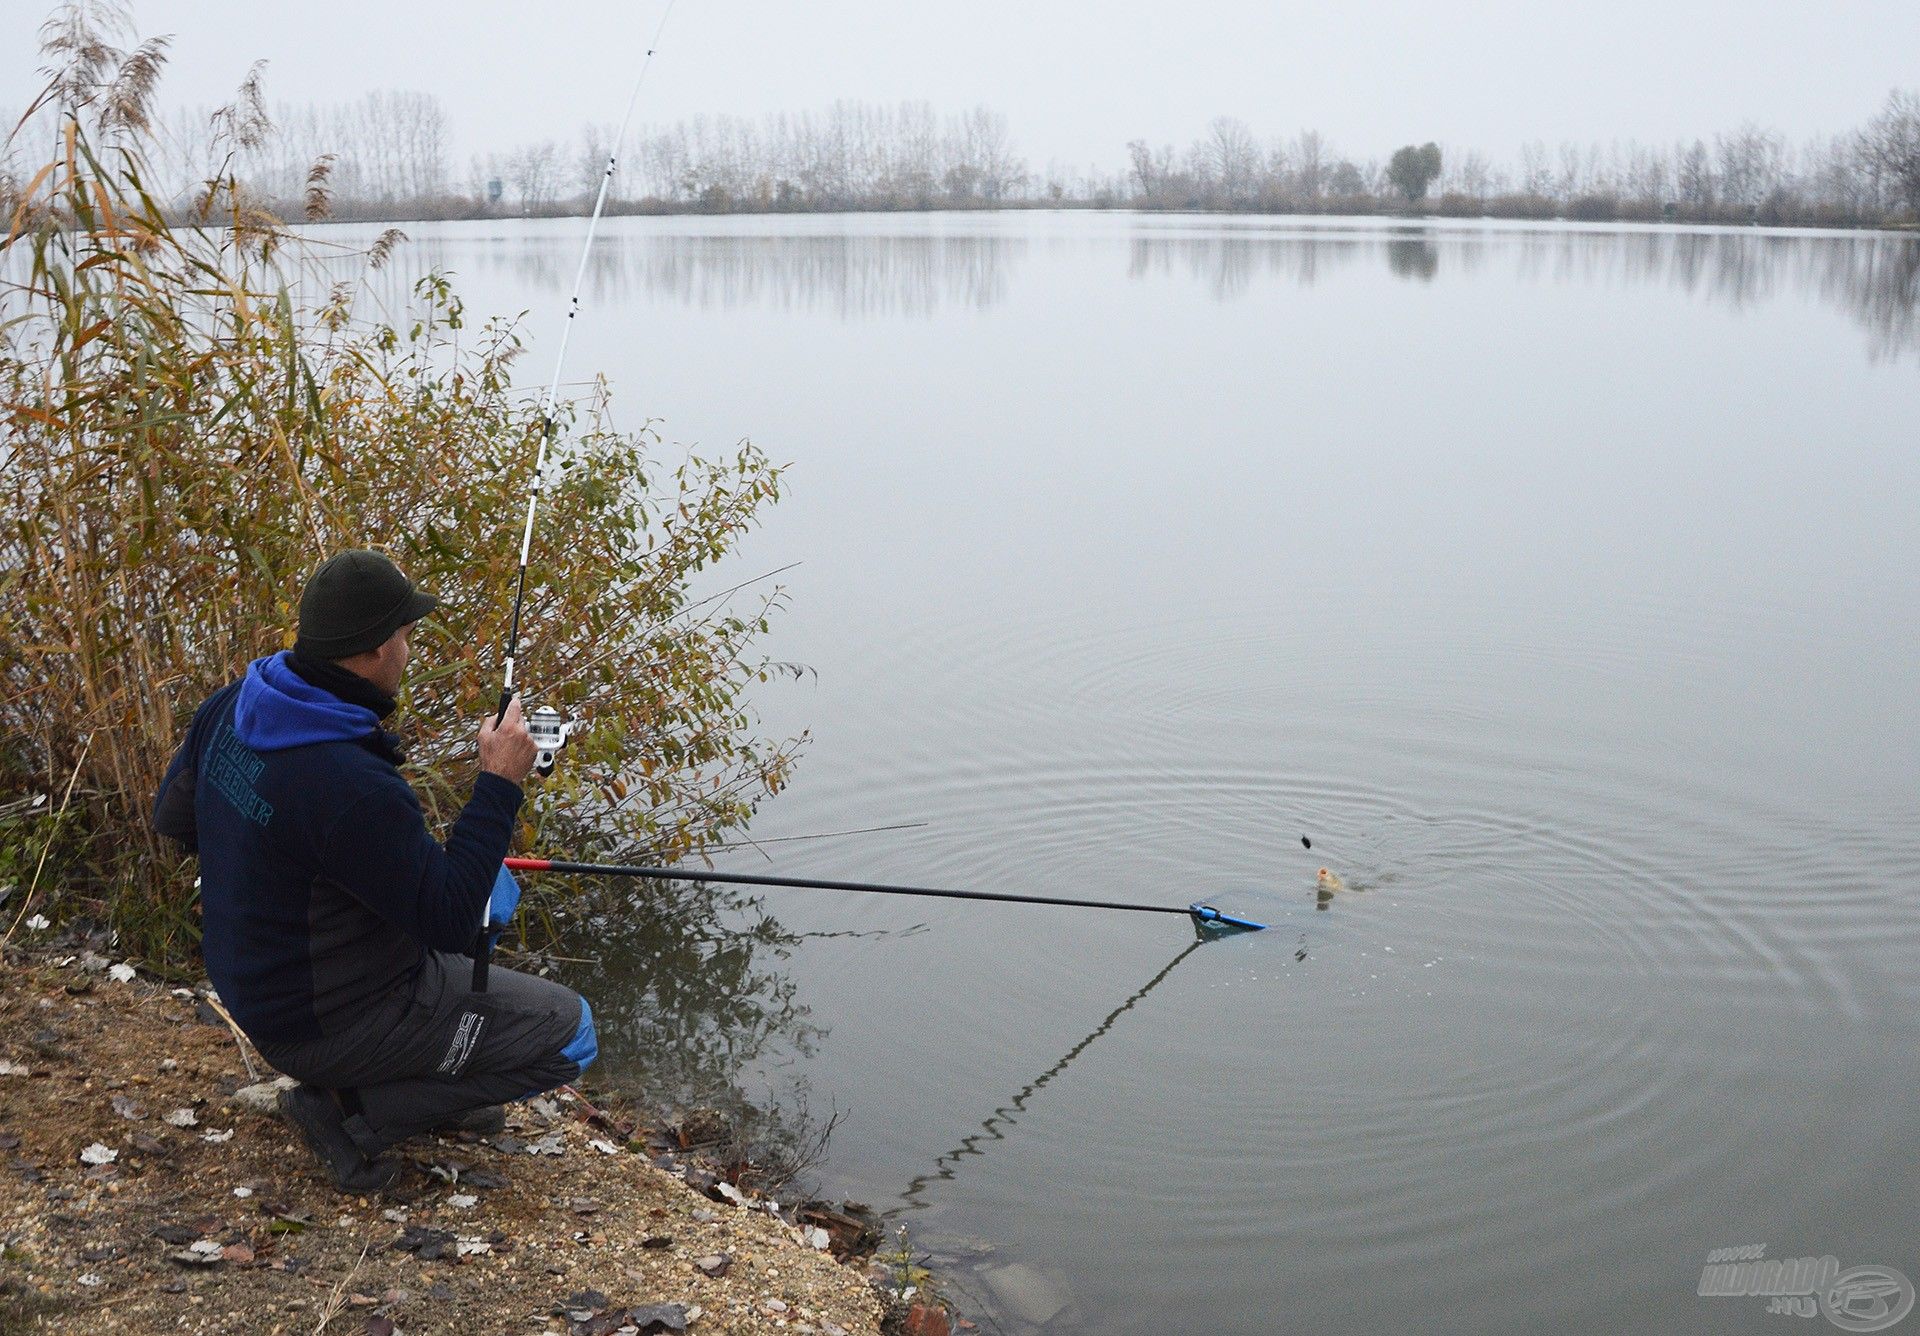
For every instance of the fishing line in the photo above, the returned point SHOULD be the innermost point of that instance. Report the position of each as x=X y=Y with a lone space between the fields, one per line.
x=822 y=835
x=992 y=1127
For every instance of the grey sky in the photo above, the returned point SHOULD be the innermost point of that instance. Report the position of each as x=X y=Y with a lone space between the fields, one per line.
x=1075 y=80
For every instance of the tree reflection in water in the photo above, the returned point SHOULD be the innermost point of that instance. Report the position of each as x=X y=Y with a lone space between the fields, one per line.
x=690 y=993
x=867 y=272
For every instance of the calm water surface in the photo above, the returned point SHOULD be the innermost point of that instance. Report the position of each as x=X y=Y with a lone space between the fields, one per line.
x=1561 y=584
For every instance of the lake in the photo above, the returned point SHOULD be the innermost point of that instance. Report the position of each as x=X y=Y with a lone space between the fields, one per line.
x=1562 y=584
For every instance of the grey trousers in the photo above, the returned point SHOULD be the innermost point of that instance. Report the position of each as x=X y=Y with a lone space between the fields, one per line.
x=437 y=1050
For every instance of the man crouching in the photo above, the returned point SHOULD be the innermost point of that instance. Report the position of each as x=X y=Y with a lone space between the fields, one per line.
x=331 y=919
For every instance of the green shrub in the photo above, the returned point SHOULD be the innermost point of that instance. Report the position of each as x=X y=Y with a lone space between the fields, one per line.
x=189 y=430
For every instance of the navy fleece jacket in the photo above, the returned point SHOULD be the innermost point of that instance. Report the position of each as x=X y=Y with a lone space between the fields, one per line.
x=320 y=888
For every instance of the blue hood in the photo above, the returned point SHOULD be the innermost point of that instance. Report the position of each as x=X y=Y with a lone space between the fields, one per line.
x=277 y=709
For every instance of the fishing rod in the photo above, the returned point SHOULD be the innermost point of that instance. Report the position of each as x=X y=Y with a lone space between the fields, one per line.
x=547 y=725
x=1204 y=916
x=549 y=400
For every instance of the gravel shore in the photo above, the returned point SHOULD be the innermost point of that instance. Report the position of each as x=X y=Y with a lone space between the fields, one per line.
x=146 y=1187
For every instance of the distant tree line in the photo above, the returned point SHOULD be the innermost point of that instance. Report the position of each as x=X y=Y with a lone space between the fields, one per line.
x=382 y=149
x=852 y=155
x=388 y=155
x=1747 y=175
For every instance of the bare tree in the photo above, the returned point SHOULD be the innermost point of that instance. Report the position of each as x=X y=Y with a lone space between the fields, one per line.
x=987 y=147
x=409 y=143
x=1475 y=175
x=532 y=173
x=590 y=167
x=1309 y=156
x=917 y=169
x=1143 y=169
x=1536 y=178
x=1645 y=179
x=1749 y=165
x=1836 y=175
x=1890 y=148
x=1234 y=157
x=1694 y=176
x=1571 y=179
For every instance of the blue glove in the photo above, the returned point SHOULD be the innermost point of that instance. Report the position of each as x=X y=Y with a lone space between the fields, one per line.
x=504 y=900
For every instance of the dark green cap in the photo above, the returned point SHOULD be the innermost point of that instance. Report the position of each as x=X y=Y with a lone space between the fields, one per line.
x=353 y=602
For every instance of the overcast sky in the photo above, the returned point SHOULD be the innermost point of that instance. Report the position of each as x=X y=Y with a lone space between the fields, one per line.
x=1076 y=80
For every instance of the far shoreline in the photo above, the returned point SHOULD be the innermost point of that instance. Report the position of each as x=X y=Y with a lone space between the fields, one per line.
x=355 y=216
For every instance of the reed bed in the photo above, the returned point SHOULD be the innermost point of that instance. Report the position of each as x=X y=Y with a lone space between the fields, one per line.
x=190 y=427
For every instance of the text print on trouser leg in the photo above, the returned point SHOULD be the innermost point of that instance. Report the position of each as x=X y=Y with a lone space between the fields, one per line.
x=467 y=1032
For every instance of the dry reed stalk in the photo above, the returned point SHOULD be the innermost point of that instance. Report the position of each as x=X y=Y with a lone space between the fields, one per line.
x=239 y=1036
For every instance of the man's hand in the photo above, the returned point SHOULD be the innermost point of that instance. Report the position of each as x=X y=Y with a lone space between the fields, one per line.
x=506 y=748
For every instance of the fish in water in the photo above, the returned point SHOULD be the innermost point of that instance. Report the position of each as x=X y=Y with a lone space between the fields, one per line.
x=1329 y=885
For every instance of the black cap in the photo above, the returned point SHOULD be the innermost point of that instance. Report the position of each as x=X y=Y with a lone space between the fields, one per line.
x=353 y=602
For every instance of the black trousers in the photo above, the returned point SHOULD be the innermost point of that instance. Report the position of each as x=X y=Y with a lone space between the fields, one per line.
x=436 y=1050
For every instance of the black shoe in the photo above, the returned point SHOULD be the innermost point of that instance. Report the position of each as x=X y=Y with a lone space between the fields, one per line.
x=323 y=1125
x=489 y=1120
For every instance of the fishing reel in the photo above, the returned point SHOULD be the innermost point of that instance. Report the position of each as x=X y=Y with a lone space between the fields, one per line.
x=550 y=730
